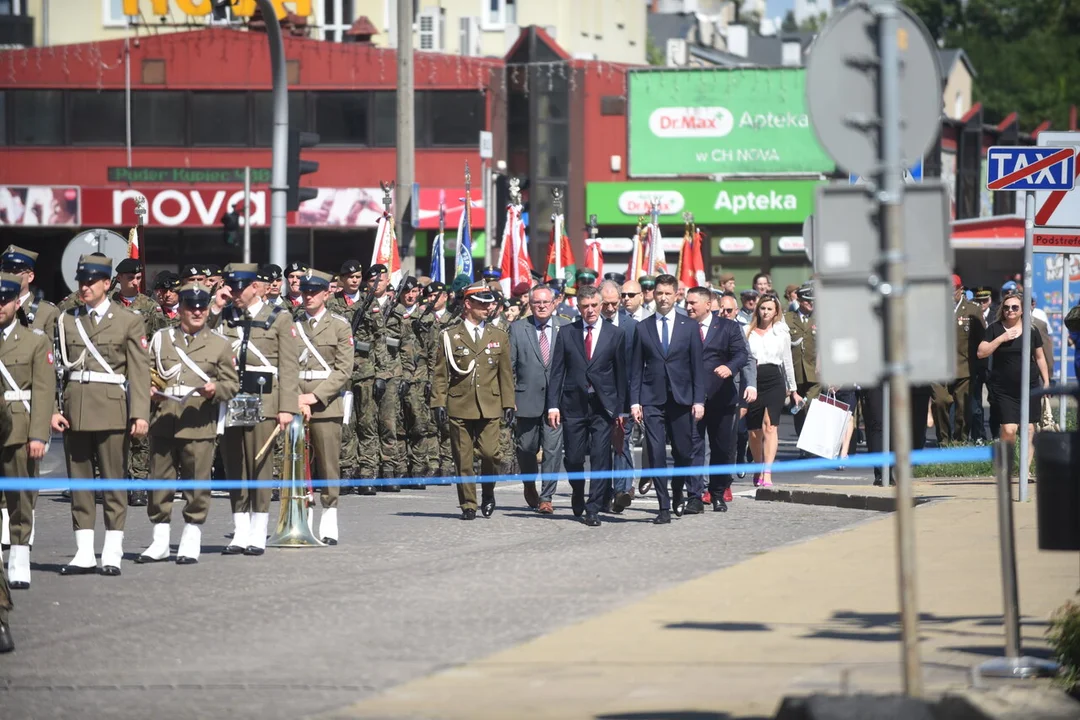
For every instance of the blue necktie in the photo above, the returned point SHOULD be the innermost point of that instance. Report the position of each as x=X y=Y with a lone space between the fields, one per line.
x=663 y=334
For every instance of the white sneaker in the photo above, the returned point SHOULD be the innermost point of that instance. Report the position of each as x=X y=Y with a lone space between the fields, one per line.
x=257 y=537
x=241 y=531
x=328 y=529
x=159 y=548
x=112 y=553
x=84 y=561
x=190 y=545
x=19 y=567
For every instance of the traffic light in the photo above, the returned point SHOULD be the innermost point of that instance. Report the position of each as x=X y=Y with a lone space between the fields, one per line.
x=230 y=221
x=294 y=195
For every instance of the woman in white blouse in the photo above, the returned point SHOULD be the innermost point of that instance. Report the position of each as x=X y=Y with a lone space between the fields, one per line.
x=770 y=344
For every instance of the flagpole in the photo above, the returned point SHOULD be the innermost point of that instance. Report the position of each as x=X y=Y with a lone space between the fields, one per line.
x=441 y=260
x=556 y=218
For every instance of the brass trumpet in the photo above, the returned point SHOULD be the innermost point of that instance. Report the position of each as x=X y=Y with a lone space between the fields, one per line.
x=293 y=528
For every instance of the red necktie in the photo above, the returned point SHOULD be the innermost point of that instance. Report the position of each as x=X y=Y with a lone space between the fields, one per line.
x=703 y=331
x=545 y=346
x=588 y=343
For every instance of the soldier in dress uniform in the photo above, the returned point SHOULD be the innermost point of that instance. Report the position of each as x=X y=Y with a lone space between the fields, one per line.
x=129 y=278
x=197 y=365
x=40 y=313
x=7 y=644
x=264 y=343
x=28 y=375
x=803 y=328
x=293 y=272
x=272 y=275
x=491 y=274
x=106 y=403
x=969 y=333
x=166 y=288
x=472 y=392
x=326 y=363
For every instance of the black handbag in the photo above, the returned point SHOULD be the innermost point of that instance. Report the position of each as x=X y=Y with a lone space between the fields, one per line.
x=1072 y=319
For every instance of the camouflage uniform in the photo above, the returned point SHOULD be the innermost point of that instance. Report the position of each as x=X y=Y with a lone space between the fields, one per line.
x=446 y=458
x=398 y=342
x=347 y=459
x=139 y=448
x=505 y=456
x=422 y=446
x=71 y=301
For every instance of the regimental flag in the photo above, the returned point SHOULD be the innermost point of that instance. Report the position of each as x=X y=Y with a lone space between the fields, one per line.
x=560 y=258
x=463 y=252
x=386 y=248
x=135 y=251
x=654 y=262
x=594 y=256
x=691 y=264
x=637 y=255
x=514 y=259
x=438 y=262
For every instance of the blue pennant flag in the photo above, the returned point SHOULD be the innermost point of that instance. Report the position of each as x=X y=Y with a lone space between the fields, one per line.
x=437 y=273
x=463 y=254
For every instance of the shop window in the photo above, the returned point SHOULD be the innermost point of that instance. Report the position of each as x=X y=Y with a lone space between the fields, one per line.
x=343 y=118
x=384 y=118
x=220 y=119
x=37 y=117
x=452 y=119
x=97 y=118
x=157 y=118
x=264 y=115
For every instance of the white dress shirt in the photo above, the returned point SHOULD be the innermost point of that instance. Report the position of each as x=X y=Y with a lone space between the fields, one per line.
x=309 y=317
x=99 y=311
x=471 y=329
x=548 y=331
x=595 y=332
x=774 y=348
x=670 y=324
x=10 y=327
x=254 y=309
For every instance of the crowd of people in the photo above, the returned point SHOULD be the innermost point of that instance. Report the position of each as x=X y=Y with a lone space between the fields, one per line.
x=401 y=382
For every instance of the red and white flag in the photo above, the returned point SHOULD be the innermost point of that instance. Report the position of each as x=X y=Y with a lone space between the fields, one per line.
x=514 y=259
x=594 y=256
x=386 y=248
x=691 y=264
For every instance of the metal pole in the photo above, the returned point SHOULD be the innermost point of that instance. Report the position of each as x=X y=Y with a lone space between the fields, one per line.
x=1025 y=344
x=406 y=135
x=891 y=198
x=1013 y=664
x=1063 y=376
x=489 y=214
x=886 y=430
x=127 y=97
x=247 y=214
x=280 y=147
x=45 y=23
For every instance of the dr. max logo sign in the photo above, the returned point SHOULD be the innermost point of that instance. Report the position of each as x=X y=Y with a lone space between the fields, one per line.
x=669 y=122
x=639 y=202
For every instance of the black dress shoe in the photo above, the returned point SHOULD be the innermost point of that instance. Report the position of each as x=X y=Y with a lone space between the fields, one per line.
x=76 y=570
x=469 y=514
x=233 y=550
x=6 y=643
x=718 y=505
x=622 y=501
x=329 y=541
x=19 y=585
x=592 y=521
x=365 y=490
x=137 y=498
x=663 y=518
x=678 y=506
x=275 y=495
x=878 y=482
x=487 y=507
x=144 y=559
x=390 y=488
x=110 y=571
x=253 y=551
x=186 y=561
x=694 y=506
x=577 y=504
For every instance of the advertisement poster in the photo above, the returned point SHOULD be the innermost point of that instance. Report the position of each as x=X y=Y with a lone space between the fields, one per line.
x=721 y=122
x=1047 y=285
x=757 y=202
x=39 y=205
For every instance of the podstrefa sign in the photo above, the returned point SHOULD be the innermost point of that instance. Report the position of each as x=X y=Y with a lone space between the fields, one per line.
x=721 y=122
x=751 y=202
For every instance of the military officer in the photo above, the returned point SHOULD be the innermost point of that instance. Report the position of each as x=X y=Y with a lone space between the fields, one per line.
x=293 y=272
x=443 y=319
x=422 y=437
x=196 y=366
x=166 y=287
x=388 y=377
x=491 y=274
x=106 y=403
x=343 y=302
x=40 y=313
x=326 y=363
x=7 y=644
x=264 y=342
x=272 y=276
x=192 y=273
x=803 y=328
x=129 y=277
x=472 y=391
x=213 y=275
x=969 y=333
x=28 y=375
x=350 y=278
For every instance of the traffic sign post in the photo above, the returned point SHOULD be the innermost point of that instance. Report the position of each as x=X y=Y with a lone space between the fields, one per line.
x=1027 y=169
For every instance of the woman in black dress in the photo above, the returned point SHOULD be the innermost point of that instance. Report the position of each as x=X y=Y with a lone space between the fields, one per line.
x=1003 y=345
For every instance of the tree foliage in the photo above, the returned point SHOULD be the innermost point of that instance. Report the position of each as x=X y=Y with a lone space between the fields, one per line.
x=1025 y=53
x=788 y=24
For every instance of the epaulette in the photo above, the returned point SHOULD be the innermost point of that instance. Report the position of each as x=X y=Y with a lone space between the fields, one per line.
x=38 y=331
x=342 y=318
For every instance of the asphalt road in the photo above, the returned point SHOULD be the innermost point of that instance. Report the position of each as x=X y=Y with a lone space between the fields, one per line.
x=410 y=590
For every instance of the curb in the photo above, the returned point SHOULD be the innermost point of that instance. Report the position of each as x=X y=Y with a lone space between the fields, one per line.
x=874 y=503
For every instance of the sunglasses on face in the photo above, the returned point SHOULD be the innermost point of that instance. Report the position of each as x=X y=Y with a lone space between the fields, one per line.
x=630 y=295
x=1012 y=308
x=727 y=311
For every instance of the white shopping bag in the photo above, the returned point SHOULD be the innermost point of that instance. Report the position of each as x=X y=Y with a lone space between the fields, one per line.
x=823 y=432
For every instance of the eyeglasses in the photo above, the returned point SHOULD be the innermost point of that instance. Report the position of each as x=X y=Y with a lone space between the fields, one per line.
x=630 y=295
x=727 y=311
x=1012 y=308
x=542 y=302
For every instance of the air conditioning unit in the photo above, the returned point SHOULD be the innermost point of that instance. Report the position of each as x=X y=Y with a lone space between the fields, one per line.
x=430 y=25
x=469 y=37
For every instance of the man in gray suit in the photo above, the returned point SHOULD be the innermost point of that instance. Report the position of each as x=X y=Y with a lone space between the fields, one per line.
x=610 y=300
x=532 y=341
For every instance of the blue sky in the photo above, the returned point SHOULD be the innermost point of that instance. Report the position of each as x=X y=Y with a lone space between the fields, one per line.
x=779 y=8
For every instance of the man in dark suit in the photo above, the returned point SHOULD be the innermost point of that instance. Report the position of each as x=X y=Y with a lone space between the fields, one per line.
x=724 y=354
x=587 y=394
x=611 y=310
x=667 y=394
x=532 y=342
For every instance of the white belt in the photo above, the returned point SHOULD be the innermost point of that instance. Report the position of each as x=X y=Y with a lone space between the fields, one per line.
x=17 y=395
x=262 y=368
x=90 y=376
x=314 y=374
x=178 y=390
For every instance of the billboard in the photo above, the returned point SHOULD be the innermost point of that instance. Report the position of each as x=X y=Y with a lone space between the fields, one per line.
x=1047 y=282
x=721 y=122
x=38 y=205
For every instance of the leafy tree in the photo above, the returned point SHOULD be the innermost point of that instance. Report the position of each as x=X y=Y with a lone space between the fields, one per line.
x=789 y=24
x=814 y=23
x=653 y=54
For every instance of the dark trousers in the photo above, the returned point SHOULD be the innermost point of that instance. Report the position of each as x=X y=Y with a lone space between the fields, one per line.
x=873 y=400
x=624 y=454
x=589 y=434
x=672 y=423
x=978 y=418
x=719 y=425
x=533 y=435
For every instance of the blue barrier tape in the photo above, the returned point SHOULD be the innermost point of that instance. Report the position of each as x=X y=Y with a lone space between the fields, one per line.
x=944 y=456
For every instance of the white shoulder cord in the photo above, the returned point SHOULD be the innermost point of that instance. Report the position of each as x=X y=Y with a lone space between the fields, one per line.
x=450 y=357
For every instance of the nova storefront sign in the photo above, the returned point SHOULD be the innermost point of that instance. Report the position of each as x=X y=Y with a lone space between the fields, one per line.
x=751 y=202
x=721 y=122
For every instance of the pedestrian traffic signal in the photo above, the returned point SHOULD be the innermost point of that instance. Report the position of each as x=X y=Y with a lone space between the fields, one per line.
x=294 y=195
x=230 y=221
